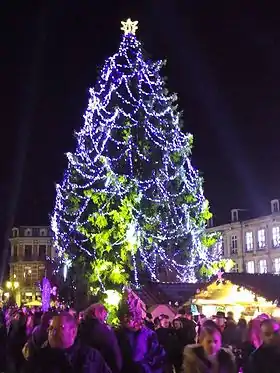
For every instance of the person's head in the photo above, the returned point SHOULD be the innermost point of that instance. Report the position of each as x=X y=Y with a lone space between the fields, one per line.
x=189 y=315
x=201 y=318
x=149 y=316
x=211 y=340
x=182 y=312
x=263 y=317
x=230 y=315
x=97 y=311
x=270 y=332
x=164 y=321
x=62 y=331
x=208 y=323
x=130 y=322
x=157 y=322
x=220 y=319
x=177 y=324
x=30 y=321
x=242 y=323
x=254 y=332
x=81 y=316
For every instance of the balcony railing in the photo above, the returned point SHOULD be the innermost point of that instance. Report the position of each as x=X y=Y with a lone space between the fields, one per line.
x=275 y=243
x=28 y=258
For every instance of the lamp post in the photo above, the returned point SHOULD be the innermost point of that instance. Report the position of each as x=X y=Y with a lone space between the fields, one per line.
x=12 y=286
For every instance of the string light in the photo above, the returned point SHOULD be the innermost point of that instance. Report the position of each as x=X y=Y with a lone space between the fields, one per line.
x=131 y=144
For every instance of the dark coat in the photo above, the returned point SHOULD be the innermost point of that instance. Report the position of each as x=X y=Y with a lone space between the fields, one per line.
x=266 y=359
x=169 y=340
x=97 y=335
x=195 y=361
x=76 y=359
x=141 y=351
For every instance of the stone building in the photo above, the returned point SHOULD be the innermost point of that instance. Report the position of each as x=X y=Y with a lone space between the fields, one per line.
x=253 y=244
x=31 y=256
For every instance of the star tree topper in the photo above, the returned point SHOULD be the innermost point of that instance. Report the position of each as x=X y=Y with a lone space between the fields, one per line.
x=129 y=27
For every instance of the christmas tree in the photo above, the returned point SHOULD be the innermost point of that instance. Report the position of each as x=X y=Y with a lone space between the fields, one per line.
x=130 y=200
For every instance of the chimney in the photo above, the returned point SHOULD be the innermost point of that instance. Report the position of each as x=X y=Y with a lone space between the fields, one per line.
x=274 y=204
x=234 y=215
x=210 y=223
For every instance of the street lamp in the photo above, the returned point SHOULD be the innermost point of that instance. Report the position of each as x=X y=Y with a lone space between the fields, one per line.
x=12 y=286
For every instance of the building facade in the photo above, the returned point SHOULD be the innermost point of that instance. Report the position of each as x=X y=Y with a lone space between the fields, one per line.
x=253 y=244
x=31 y=256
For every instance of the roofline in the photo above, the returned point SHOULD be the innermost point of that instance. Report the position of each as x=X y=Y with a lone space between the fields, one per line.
x=237 y=224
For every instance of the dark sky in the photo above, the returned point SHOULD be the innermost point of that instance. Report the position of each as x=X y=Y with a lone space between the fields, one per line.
x=223 y=61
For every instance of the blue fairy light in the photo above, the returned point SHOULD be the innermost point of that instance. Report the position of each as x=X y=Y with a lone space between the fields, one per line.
x=132 y=129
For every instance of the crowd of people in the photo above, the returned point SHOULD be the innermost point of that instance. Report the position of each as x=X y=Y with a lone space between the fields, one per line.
x=62 y=341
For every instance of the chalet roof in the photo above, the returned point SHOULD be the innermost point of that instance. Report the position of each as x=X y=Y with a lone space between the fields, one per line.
x=175 y=293
x=167 y=292
x=265 y=285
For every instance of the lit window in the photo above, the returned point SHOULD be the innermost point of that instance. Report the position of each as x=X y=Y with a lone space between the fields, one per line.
x=276 y=236
x=251 y=267
x=263 y=266
x=222 y=247
x=234 y=244
x=276 y=264
x=218 y=248
x=261 y=238
x=249 y=241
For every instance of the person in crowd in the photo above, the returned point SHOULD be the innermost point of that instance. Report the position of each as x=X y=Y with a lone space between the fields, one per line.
x=149 y=321
x=177 y=324
x=263 y=316
x=189 y=326
x=251 y=342
x=157 y=322
x=209 y=323
x=141 y=351
x=181 y=315
x=208 y=356
x=61 y=354
x=95 y=333
x=169 y=340
x=230 y=332
x=29 y=324
x=220 y=320
x=241 y=330
x=3 y=341
x=81 y=316
x=16 y=339
x=266 y=358
x=230 y=316
x=39 y=336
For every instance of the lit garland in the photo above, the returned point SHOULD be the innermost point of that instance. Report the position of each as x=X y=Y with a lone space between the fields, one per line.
x=131 y=145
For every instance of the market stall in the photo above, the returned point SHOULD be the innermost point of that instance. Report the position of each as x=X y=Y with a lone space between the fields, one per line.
x=223 y=295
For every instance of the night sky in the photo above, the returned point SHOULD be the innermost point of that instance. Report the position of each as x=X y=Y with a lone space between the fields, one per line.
x=223 y=61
